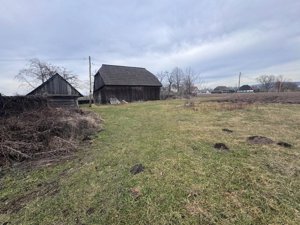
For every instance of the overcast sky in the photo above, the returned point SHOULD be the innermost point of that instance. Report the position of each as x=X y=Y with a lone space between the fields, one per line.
x=217 y=38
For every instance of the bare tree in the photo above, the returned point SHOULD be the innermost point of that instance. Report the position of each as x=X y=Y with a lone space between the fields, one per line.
x=290 y=86
x=38 y=72
x=170 y=80
x=177 y=74
x=279 y=83
x=189 y=80
x=161 y=76
x=266 y=81
x=68 y=75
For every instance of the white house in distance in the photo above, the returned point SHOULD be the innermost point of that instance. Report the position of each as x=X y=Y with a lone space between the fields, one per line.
x=245 y=89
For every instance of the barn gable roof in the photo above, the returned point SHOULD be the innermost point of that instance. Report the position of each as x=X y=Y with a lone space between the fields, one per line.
x=56 y=86
x=124 y=76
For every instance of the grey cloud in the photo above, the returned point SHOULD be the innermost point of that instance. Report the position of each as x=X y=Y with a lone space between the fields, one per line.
x=217 y=38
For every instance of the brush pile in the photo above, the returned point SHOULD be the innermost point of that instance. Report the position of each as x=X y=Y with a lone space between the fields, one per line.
x=12 y=105
x=43 y=133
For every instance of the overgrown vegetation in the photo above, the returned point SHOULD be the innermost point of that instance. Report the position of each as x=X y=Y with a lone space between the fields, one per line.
x=185 y=179
x=14 y=105
x=42 y=133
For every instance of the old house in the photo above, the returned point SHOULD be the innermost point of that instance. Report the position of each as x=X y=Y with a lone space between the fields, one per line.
x=59 y=92
x=245 y=89
x=125 y=83
x=222 y=89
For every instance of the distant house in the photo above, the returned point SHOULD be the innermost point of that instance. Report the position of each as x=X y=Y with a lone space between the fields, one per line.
x=222 y=89
x=195 y=90
x=59 y=92
x=205 y=91
x=125 y=83
x=245 y=89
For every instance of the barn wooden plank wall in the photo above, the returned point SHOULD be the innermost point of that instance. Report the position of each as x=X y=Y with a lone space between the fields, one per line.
x=127 y=93
x=56 y=87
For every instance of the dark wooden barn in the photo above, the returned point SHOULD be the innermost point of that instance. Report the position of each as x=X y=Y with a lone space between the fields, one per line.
x=59 y=92
x=125 y=83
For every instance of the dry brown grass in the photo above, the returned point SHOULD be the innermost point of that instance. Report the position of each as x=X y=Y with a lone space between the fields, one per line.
x=263 y=97
x=44 y=133
x=196 y=105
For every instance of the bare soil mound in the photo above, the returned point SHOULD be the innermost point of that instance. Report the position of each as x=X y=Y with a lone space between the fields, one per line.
x=284 y=144
x=138 y=168
x=221 y=146
x=227 y=130
x=260 y=140
x=44 y=133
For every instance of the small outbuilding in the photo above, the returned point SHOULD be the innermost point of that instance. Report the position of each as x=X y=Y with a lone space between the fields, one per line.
x=245 y=89
x=126 y=83
x=59 y=92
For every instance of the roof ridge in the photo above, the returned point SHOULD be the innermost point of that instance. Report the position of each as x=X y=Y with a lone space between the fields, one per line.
x=124 y=66
x=124 y=76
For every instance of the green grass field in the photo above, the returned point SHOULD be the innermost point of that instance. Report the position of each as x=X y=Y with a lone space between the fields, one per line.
x=185 y=181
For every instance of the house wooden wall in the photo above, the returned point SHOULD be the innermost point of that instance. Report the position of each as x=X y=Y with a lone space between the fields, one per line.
x=63 y=101
x=55 y=87
x=58 y=91
x=127 y=93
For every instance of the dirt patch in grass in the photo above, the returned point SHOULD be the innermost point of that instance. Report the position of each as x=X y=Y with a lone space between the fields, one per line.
x=284 y=144
x=138 y=168
x=227 y=130
x=259 y=140
x=135 y=192
x=90 y=211
x=221 y=146
x=15 y=205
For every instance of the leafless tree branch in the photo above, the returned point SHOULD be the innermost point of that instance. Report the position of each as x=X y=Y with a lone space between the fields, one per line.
x=37 y=72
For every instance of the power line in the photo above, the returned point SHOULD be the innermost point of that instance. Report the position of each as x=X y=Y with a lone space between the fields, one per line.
x=12 y=60
x=45 y=59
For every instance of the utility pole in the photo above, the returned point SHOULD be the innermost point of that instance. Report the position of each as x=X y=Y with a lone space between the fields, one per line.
x=90 y=73
x=239 y=80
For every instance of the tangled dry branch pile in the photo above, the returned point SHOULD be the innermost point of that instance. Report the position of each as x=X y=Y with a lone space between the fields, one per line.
x=47 y=132
x=13 y=105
